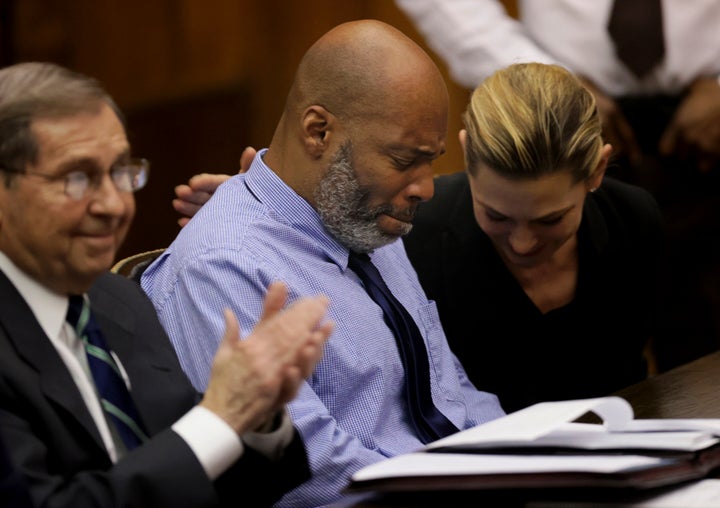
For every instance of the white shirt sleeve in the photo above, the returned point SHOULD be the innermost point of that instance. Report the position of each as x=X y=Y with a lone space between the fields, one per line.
x=217 y=446
x=272 y=444
x=214 y=442
x=477 y=37
x=474 y=37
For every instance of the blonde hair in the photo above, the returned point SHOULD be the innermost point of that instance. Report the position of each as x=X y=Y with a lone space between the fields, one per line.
x=532 y=119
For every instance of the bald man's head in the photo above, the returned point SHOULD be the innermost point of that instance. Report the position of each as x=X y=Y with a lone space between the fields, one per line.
x=363 y=68
x=364 y=120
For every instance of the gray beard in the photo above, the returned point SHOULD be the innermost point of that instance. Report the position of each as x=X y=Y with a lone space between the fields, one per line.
x=341 y=203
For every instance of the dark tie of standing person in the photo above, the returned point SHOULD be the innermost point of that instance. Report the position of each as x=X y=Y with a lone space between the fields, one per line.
x=428 y=421
x=636 y=28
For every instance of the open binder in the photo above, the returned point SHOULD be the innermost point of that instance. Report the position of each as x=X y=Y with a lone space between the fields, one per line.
x=544 y=447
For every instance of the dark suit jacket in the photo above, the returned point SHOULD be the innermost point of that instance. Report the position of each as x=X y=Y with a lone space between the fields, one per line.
x=592 y=346
x=13 y=489
x=56 y=445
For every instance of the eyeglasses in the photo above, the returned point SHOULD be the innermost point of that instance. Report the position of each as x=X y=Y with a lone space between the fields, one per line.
x=129 y=176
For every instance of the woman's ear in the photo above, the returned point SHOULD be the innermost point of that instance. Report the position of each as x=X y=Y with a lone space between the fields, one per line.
x=462 y=136
x=598 y=174
x=317 y=124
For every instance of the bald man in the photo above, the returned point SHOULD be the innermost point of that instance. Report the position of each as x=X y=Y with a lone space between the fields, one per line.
x=348 y=164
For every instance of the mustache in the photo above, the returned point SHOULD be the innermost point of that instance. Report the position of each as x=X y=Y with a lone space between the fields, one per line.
x=405 y=214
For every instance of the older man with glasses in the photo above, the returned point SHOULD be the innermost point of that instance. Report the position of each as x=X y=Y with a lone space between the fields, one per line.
x=94 y=407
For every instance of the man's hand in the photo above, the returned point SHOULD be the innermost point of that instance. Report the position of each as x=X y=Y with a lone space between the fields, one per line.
x=252 y=379
x=190 y=197
x=615 y=128
x=694 y=132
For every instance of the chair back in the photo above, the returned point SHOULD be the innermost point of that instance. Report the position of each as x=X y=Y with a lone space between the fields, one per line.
x=133 y=266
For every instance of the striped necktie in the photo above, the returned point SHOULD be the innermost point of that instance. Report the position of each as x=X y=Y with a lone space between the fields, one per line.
x=430 y=424
x=114 y=395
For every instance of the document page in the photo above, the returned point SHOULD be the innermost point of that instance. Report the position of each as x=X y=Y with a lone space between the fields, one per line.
x=549 y=424
x=450 y=464
x=537 y=420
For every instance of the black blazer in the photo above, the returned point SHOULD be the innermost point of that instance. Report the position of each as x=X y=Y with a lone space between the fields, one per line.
x=592 y=346
x=13 y=489
x=55 y=443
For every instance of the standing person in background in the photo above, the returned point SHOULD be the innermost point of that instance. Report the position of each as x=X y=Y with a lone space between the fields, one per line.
x=662 y=117
x=94 y=407
x=544 y=271
x=324 y=208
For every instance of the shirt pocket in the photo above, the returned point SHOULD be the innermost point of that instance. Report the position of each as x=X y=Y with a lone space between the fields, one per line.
x=443 y=375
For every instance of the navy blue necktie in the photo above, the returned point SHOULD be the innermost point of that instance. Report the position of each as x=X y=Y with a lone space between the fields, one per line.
x=428 y=421
x=114 y=395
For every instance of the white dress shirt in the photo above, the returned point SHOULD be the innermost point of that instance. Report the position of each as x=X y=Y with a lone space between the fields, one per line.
x=477 y=37
x=213 y=441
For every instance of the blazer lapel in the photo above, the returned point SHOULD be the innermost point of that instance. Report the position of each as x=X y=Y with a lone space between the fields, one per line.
x=117 y=324
x=35 y=348
x=120 y=329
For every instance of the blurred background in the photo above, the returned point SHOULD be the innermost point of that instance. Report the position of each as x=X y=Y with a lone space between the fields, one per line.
x=198 y=79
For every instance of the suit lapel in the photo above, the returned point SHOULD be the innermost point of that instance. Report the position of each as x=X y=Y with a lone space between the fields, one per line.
x=132 y=331
x=118 y=322
x=35 y=348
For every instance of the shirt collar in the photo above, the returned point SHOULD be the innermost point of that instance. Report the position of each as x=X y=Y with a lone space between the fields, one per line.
x=291 y=208
x=48 y=307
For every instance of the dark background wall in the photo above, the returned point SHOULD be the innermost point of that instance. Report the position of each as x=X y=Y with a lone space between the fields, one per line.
x=198 y=79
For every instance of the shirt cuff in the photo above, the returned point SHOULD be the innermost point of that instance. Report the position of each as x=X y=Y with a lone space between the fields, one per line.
x=272 y=444
x=214 y=442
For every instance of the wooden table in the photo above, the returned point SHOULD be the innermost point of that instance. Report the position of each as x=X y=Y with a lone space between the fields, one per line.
x=688 y=391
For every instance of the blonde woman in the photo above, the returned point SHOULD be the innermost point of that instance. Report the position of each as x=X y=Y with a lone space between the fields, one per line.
x=543 y=269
